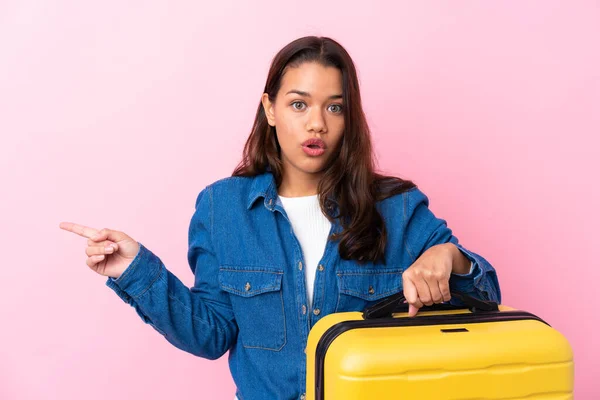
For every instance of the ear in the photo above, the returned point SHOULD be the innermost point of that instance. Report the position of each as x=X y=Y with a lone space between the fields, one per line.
x=268 y=106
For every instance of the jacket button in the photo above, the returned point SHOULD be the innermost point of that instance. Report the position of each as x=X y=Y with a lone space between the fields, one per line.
x=303 y=309
x=321 y=268
x=316 y=311
x=247 y=287
x=300 y=265
x=371 y=290
x=302 y=396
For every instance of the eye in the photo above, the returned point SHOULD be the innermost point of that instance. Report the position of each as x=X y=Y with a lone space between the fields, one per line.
x=296 y=103
x=337 y=108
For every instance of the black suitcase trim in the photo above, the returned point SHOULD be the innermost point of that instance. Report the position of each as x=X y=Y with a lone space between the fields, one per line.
x=336 y=330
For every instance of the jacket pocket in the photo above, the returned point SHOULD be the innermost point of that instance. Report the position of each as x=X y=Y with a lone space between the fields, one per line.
x=360 y=288
x=257 y=302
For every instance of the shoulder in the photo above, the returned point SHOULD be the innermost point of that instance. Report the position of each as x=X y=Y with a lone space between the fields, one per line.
x=229 y=188
x=407 y=200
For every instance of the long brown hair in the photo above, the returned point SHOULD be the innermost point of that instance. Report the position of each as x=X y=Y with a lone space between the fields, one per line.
x=349 y=180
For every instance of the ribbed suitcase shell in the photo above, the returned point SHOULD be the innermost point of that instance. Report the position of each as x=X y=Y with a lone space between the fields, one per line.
x=453 y=356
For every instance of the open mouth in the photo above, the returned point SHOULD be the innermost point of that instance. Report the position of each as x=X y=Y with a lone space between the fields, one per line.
x=314 y=144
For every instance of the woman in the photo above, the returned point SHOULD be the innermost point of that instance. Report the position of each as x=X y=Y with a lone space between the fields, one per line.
x=302 y=229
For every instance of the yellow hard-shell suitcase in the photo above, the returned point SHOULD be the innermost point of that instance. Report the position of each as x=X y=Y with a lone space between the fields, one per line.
x=479 y=350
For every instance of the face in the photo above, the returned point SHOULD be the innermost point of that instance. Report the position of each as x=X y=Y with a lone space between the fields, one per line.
x=308 y=106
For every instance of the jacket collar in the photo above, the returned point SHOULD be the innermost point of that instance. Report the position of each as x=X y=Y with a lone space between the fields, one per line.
x=264 y=185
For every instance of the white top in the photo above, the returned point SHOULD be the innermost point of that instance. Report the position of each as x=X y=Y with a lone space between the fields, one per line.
x=311 y=227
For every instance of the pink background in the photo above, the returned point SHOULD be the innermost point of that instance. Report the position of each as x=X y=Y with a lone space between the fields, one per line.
x=116 y=114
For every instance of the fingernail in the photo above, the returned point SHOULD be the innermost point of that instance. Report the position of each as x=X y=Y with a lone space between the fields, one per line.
x=100 y=257
x=114 y=246
x=109 y=249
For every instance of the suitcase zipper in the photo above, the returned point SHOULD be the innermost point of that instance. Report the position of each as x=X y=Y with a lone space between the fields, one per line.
x=333 y=332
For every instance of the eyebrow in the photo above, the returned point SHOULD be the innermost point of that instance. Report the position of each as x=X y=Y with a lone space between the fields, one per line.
x=306 y=94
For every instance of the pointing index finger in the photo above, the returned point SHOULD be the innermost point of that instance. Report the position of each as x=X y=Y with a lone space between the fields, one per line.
x=81 y=230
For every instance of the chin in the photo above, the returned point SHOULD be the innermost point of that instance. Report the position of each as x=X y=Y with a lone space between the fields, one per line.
x=315 y=170
x=310 y=165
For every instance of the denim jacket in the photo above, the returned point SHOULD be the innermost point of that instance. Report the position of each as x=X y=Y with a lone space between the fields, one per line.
x=249 y=293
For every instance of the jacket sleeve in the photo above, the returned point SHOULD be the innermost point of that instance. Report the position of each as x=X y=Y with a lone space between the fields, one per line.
x=424 y=229
x=198 y=320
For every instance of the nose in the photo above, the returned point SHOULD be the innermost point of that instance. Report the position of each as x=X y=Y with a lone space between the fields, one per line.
x=316 y=122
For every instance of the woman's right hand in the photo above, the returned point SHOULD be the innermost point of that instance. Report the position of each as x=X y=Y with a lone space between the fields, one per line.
x=109 y=252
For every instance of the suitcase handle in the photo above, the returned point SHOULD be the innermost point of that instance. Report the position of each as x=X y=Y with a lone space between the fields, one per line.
x=386 y=307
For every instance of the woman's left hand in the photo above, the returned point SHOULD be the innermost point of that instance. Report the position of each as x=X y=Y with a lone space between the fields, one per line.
x=426 y=281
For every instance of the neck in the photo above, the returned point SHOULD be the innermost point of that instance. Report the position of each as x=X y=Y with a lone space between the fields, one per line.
x=297 y=184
